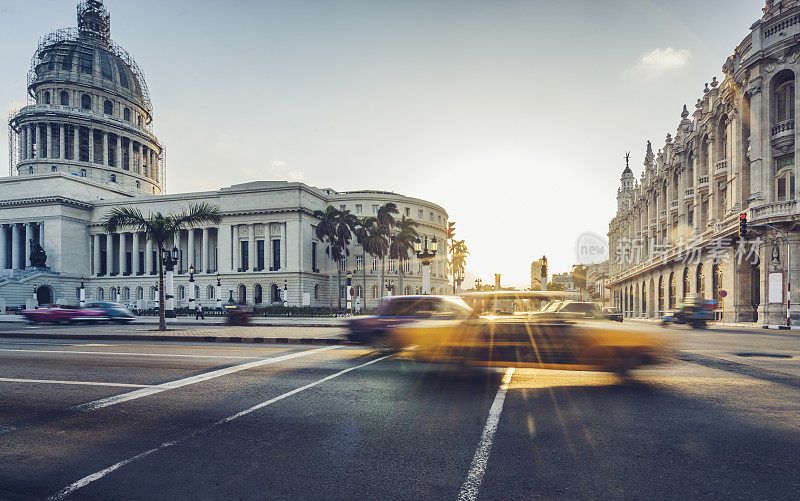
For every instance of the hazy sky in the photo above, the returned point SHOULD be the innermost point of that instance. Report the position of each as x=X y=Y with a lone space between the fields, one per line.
x=513 y=115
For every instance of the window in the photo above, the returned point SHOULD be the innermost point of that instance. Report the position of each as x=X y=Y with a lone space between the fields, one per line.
x=316 y=291
x=139 y=120
x=113 y=178
x=784 y=102
x=64 y=97
x=153 y=293
x=47 y=97
x=86 y=102
x=105 y=66
x=359 y=263
x=408 y=212
x=276 y=255
x=54 y=169
x=30 y=170
x=126 y=294
x=342 y=208
x=393 y=265
x=700 y=280
x=126 y=114
x=138 y=184
x=66 y=61
x=123 y=74
x=431 y=216
x=784 y=178
x=139 y=293
x=85 y=61
x=358 y=292
x=100 y=294
x=440 y=219
x=257 y=294
x=375 y=209
x=375 y=264
x=314 y=256
x=108 y=108
x=420 y=214
x=260 y=255
x=358 y=208
x=374 y=291
x=83 y=172
x=210 y=292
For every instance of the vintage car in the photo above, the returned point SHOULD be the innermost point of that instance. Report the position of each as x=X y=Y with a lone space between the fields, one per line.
x=398 y=310
x=114 y=311
x=56 y=313
x=504 y=331
x=612 y=313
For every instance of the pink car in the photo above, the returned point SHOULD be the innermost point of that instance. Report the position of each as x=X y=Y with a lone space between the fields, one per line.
x=63 y=313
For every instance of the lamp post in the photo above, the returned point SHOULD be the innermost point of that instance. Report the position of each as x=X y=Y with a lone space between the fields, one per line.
x=425 y=253
x=191 y=288
x=119 y=293
x=389 y=286
x=230 y=298
x=478 y=284
x=35 y=299
x=82 y=294
x=349 y=292
x=170 y=260
x=285 y=292
x=218 y=292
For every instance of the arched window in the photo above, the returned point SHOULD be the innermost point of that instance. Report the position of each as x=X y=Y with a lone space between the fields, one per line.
x=47 y=97
x=139 y=293
x=784 y=178
x=138 y=184
x=181 y=292
x=64 y=98
x=139 y=120
x=374 y=291
x=53 y=169
x=126 y=114
x=700 y=280
x=672 y=292
x=210 y=292
x=113 y=178
x=197 y=292
x=108 y=108
x=153 y=293
x=716 y=280
x=101 y=295
x=86 y=102
x=242 y=294
x=257 y=294
x=316 y=291
x=358 y=291
x=274 y=293
x=783 y=98
x=83 y=172
x=30 y=170
x=644 y=298
x=686 y=285
x=126 y=294
x=660 y=293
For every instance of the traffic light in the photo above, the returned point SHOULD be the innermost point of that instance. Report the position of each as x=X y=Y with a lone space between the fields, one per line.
x=451 y=230
x=743 y=225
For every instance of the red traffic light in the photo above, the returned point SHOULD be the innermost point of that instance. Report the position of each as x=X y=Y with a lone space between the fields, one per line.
x=743 y=216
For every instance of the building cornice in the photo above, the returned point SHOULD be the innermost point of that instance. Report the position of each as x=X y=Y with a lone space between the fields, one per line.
x=51 y=200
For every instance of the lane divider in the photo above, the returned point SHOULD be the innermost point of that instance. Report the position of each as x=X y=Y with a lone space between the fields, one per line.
x=123 y=353
x=85 y=383
x=66 y=491
x=471 y=486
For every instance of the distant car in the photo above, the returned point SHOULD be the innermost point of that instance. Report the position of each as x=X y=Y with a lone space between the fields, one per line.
x=570 y=310
x=612 y=314
x=56 y=313
x=114 y=311
x=399 y=310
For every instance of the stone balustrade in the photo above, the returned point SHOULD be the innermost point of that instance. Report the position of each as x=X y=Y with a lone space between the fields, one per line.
x=782 y=128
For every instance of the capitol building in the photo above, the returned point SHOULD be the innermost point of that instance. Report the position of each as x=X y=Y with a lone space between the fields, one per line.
x=676 y=231
x=84 y=144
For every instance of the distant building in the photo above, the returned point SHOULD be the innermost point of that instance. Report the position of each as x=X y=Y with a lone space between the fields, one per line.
x=539 y=272
x=566 y=280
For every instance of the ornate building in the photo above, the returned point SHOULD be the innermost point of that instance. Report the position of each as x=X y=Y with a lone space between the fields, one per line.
x=676 y=231
x=84 y=145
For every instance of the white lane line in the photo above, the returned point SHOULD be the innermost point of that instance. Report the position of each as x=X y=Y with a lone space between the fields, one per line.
x=66 y=491
x=88 y=383
x=178 y=383
x=470 y=487
x=123 y=353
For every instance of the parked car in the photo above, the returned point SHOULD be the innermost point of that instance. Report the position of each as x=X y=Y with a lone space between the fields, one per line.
x=57 y=313
x=612 y=314
x=399 y=310
x=115 y=311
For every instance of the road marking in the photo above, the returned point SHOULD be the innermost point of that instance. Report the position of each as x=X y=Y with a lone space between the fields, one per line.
x=89 y=383
x=178 y=383
x=122 y=353
x=66 y=491
x=470 y=487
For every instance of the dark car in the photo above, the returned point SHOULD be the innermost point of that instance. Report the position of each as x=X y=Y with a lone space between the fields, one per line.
x=399 y=310
x=114 y=311
x=62 y=313
x=612 y=314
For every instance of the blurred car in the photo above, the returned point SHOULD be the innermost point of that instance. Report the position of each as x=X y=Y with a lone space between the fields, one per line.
x=398 y=310
x=612 y=314
x=115 y=312
x=696 y=312
x=238 y=314
x=56 y=313
x=515 y=339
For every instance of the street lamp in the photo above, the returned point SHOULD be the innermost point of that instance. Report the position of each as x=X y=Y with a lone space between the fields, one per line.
x=82 y=294
x=170 y=260
x=191 y=288
x=478 y=284
x=349 y=292
x=35 y=299
x=426 y=251
x=218 y=292
x=285 y=292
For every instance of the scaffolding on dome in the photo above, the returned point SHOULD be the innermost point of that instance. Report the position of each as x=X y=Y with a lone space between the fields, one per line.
x=73 y=35
x=162 y=169
x=13 y=144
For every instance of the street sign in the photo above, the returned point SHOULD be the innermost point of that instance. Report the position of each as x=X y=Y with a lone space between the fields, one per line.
x=723 y=293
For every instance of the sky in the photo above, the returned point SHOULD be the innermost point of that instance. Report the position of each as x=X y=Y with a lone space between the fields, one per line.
x=513 y=115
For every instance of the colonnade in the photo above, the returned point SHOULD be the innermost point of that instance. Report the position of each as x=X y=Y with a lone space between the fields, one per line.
x=15 y=250
x=64 y=141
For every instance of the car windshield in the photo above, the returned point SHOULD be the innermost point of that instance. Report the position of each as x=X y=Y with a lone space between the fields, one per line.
x=577 y=308
x=408 y=307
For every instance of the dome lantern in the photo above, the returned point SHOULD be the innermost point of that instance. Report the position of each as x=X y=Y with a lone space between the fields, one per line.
x=94 y=21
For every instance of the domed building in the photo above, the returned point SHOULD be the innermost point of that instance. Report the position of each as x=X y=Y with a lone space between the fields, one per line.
x=91 y=114
x=84 y=145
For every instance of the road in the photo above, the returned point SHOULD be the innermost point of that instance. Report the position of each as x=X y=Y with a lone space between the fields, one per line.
x=145 y=420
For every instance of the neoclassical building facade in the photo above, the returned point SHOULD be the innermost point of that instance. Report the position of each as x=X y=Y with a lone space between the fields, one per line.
x=84 y=145
x=676 y=231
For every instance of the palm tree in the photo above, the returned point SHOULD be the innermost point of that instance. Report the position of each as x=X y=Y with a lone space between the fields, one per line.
x=160 y=229
x=458 y=253
x=326 y=230
x=402 y=244
x=346 y=223
x=367 y=233
x=386 y=221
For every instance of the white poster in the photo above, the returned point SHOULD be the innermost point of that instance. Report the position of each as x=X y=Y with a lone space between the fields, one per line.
x=775 y=287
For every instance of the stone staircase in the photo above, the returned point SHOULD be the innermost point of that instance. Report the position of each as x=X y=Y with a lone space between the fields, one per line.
x=16 y=286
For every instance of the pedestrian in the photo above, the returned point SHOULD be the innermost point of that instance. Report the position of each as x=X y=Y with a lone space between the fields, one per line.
x=198 y=313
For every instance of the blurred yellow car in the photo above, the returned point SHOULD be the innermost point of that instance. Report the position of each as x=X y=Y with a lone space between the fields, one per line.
x=505 y=330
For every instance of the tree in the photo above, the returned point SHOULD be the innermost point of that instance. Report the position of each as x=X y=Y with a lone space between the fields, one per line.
x=160 y=229
x=326 y=231
x=555 y=286
x=458 y=261
x=386 y=221
x=402 y=243
x=579 y=276
x=346 y=224
x=369 y=235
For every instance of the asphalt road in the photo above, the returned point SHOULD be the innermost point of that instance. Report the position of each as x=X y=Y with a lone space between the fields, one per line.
x=116 y=420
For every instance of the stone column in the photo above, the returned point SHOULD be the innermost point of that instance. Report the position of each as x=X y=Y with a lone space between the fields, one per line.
x=38 y=146
x=16 y=254
x=237 y=249
x=97 y=255
x=91 y=145
x=135 y=268
x=76 y=143
x=3 y=247
x=153 y=163
x=105 y=147
x=62 y=140
x=118 y=153
x=204 y=250
x=190 y=248
x=148 y=257
x=23 y=147
x=109 y=254
x=122 y=254
x=252 y=247
x=130 y=154
x=28 y=238
x=49 y=146
x=139 y=160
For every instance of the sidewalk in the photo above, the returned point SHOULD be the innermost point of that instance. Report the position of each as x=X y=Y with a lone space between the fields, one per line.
x=190 y=321
x=725 y=325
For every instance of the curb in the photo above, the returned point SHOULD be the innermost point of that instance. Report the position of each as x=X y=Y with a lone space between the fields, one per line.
x=781 y=327
x=163 y=337
x=186 y=323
